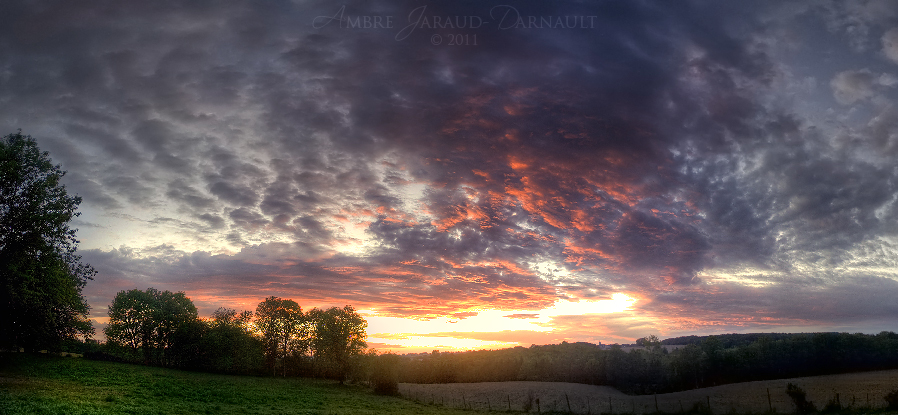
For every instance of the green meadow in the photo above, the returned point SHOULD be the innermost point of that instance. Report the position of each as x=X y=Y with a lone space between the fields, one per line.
x=44 y=384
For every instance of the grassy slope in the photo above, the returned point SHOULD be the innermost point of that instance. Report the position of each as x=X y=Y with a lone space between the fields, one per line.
x=41 y=384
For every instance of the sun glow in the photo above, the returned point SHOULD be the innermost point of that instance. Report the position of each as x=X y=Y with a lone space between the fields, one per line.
x=411 y=344
x=450 y=333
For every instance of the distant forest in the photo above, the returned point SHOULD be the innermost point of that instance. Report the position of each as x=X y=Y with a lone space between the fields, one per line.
x=732 y=340
x=704 y=361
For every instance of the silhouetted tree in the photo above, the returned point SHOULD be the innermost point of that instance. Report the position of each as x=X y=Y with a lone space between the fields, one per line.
x=283 y=329
x=339 y=335
x=229 y=345
x=41 y=277
x=151 y=322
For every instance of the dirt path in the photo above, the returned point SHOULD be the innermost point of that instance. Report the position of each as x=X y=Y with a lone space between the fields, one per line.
x=855 y=390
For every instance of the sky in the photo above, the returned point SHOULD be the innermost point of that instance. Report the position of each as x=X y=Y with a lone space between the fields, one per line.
x=478 y=175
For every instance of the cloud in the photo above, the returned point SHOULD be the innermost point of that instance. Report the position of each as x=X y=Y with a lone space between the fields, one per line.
x=890 y=44
x=856 y=85
x=522 y=316
x=646 y=155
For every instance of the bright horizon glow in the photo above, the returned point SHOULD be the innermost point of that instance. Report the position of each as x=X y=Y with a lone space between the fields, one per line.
x=399 y=331
x=418 y=344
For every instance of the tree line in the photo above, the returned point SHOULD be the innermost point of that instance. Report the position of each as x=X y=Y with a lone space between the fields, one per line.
x=163 y=328
x=654 y=369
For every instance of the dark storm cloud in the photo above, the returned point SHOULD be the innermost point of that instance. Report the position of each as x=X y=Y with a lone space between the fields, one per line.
x=641 y=153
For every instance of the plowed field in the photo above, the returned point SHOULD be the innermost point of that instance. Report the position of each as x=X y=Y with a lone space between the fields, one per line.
x=855 y=390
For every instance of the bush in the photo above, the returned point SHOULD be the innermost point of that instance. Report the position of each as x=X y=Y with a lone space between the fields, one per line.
x=833 y=406
x=892 y=399
x=799 y=398
x=385 y=375
x=385 y=386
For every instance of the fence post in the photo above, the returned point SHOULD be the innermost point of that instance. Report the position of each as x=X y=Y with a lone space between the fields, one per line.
x=568 y=402
x=656 y=402
x=769 y=403
x=488 y=406
x=538 y=410
x=509 y=402
x=709 y=404
x=464 y=404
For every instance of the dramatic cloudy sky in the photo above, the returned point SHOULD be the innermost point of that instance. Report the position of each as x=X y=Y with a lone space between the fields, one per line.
x=529 y=172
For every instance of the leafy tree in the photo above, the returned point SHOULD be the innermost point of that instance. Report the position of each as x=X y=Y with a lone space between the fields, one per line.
x=130 y=316
x=41 y=277
x=152 y=322
x=283 y=329
x=339 y=335
x=227 y=317
x=649 y=342
x=229 y=344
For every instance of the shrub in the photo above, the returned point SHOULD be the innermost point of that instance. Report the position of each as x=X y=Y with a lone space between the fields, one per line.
x=892 y=399
x=799 y=398
x=833 y=406
x=385 y=376
x=385 y=386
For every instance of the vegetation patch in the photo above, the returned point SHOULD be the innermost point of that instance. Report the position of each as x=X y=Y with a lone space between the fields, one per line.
x=45 y=384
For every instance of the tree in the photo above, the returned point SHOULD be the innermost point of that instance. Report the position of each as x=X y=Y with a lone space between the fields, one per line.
x=41 y=277
x=650 y=342
x=229 y=344
x=130 y=316
x=228 y=317
x=339 y=335
x=284 y=333
x=150 y=322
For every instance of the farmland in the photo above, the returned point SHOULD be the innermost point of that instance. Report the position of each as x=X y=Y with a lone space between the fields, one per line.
x=857 y=391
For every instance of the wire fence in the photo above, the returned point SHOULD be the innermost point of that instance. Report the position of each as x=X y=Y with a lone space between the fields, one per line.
x=557 y=400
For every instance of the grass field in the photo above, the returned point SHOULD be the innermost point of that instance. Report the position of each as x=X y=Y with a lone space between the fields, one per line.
x=42 y=384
